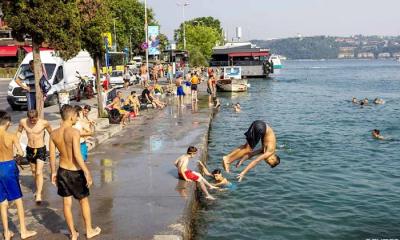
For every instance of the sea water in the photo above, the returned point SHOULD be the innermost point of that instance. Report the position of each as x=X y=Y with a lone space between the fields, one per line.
x=334 y=181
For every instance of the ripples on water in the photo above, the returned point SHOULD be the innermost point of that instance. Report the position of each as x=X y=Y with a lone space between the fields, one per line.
x=334 y=181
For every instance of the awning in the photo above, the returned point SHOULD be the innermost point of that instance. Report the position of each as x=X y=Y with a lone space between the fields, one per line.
x=8 y=51
x=248 y=54
x=29 y=49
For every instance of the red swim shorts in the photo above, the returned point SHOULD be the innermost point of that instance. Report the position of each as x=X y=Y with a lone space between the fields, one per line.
x=190 y=175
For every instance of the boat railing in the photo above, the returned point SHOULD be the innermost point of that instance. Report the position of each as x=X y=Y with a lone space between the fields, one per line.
x=236 y=63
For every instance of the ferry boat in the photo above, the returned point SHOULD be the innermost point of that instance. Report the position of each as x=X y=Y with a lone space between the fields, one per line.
x=253 y=60
x=276 y=61
x=231 y=80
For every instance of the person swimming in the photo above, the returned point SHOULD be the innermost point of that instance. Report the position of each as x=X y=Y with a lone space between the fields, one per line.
x=377 y=134
x=379 y=101
x=354 y=100
x=216 y=174
x=237 y=107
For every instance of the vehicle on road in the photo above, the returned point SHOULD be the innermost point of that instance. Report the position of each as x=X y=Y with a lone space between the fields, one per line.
x=60 y=74
x=117 y=78
x=137 y=60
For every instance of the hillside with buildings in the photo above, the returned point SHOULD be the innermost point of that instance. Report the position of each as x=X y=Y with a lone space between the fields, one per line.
x=327 y=47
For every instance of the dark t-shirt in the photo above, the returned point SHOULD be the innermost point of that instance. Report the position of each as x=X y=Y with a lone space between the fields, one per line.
x=144 y=93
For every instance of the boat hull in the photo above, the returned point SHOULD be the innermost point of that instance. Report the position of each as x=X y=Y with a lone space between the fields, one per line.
x=228 y=85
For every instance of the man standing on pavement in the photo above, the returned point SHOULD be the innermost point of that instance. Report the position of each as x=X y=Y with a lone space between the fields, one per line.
x=73 y=178
x=26 y=80
x=143 y=74
x=10 y=190
x=36 y=148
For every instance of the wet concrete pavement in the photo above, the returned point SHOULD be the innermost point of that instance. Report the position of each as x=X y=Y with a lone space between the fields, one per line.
x=136 y=193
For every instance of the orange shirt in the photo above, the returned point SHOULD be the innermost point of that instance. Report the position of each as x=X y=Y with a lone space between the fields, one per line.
x=195 y=80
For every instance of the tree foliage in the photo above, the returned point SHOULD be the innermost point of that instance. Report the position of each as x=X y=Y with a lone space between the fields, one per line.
x=55 y=23
x=200 y=21
x=200 y=40
x=129 y=21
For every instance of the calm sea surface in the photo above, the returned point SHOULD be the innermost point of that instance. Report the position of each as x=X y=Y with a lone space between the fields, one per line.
x=334 y=180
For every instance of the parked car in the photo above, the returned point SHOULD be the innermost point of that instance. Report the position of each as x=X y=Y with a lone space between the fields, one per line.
x=117 y=78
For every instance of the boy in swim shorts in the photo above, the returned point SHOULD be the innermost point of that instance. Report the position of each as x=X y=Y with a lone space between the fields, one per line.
x=36 y=152
x=73 y=178
x=179 y=90
x=188 y=175
x=258 y=131
x=10 y=189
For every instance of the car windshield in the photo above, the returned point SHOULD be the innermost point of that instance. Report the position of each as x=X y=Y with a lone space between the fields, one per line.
x=116 y=74
x=49 y=69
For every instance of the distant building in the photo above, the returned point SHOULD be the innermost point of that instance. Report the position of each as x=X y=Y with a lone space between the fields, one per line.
x=367 y=55
x=384 y=55
x=346 y=52
x=396 y=55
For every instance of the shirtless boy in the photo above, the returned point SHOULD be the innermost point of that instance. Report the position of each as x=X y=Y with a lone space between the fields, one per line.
x=73 y=177
x=188 y=175
x=10 y=189
x=258 y=130
x=144 y=74
x=36 y=149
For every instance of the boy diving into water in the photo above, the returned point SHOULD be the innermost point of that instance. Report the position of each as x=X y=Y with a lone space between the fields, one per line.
x=188 y=175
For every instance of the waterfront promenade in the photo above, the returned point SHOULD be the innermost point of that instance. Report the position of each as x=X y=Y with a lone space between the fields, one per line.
x=136 y=193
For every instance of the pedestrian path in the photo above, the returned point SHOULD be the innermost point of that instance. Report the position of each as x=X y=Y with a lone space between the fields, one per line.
x=136 y=193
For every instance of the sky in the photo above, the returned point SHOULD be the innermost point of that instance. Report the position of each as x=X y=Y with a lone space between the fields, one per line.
x=267 y=19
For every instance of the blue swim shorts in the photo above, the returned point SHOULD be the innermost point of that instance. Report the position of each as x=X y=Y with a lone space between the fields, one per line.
x=84 y=151
x=179 y=91
x=10 y=189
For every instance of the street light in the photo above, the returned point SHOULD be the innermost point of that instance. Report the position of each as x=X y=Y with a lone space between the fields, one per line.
x=183 y=5
x=147 y=37
x=115 y=36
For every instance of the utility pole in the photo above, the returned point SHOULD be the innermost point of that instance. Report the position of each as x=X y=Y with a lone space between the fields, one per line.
x=115 y=38
x=183 y=5
x=147 y=37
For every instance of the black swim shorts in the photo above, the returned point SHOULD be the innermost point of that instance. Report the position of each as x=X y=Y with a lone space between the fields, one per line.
x=72 y=183
x=194 y=87
x=33 y=154
x=255 y=133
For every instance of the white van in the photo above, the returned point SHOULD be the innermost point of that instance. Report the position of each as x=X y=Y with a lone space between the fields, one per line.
x=61 y=75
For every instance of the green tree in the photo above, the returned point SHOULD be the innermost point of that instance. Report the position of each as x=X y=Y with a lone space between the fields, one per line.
x=129 y=21
x=163 y=41
x=200 y=21
x=55 y=23
x=95 y=19
x=200 y=39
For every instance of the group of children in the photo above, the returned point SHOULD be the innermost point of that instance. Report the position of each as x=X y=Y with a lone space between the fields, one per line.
x=72 y=178
x=189 y=175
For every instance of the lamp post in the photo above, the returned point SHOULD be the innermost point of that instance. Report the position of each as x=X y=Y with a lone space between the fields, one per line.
x=183 y=5
x=146 y=35
x=115 y=37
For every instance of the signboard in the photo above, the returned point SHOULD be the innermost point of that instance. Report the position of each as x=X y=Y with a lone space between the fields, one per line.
x=154 y=41
x=107 y=38
x=232 y=72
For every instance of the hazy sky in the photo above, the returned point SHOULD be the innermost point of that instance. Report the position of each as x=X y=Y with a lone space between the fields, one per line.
x=265 y=19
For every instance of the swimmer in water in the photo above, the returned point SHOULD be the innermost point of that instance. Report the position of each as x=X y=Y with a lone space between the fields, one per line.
x=354 y=100
x=377 y=134
x=379 y=101
x=220 y=180
x=236 y=107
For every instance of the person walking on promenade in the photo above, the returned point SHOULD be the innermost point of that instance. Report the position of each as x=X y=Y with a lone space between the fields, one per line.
x=73 y=178
x=85 y=131
x=36 y=149
x=179 y=90
x=211 y=89
x=10 y=190
x=194 y=82
x=258 y=130
x=26 y=80
x=144 y=74
x=188 y=175
x=127 y=77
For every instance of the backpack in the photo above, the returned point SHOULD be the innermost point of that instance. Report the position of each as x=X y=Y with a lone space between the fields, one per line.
x=114 y=117
x=44 y=85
